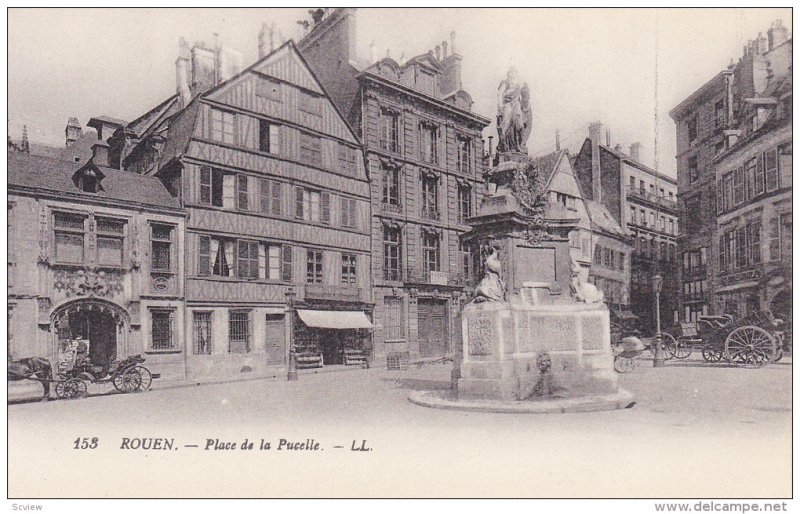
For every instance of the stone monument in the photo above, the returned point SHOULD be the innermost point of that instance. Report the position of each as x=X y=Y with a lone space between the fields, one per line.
x=533 y=331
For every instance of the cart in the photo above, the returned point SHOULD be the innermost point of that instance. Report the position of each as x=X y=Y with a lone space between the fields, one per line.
x=750 y=342
x=75 y=371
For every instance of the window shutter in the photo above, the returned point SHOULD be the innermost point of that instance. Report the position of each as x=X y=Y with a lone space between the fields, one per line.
x=345 y=213
x=274 y=139
x=325 y=200
x=760 y=170
x=719 y=196
x=229 y=257
x=276 y=198
x=352 y=213
x=204 y=255
x=205 y=185
x=298 y=202
x=263 y=194
x=286 y=265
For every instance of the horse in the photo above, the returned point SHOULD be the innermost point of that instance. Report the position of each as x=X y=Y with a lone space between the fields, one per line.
x=32 y=368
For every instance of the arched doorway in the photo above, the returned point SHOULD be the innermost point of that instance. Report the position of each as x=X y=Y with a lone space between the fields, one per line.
x=781 y=305
x=103 y=324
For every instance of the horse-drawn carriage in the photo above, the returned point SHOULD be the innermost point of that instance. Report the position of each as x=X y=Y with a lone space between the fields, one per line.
x=76 y=370
x=751 y=342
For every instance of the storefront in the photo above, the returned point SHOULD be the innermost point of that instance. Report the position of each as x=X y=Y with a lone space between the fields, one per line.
x=331 y=337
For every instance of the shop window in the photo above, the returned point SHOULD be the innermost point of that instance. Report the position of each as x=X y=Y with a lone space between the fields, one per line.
x=201 y=329
x=239 y=332
x=161 y=333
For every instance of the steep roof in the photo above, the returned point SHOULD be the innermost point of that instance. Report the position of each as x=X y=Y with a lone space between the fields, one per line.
x=602 y=218
x=179 y=133
x=44 y=174
x=79 y=151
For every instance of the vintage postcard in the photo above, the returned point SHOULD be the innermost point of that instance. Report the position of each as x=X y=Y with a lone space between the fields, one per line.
x=400 y=253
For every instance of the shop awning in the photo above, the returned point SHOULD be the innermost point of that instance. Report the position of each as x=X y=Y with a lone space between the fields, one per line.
x=334 y=319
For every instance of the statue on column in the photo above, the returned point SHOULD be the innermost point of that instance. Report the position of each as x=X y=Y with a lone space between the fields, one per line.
x=514 y=114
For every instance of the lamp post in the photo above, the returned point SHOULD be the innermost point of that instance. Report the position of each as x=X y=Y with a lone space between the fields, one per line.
x=658 y=352
x=291 y=374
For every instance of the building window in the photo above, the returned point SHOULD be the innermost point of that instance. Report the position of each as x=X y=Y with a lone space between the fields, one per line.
x=632 y=182
x=462 y=161
x=719 y=114
x=69 y=237
x=392 y=246
x=632 y=217
x=161 y=247
x=425 y=82
x=771 y=169
x=215 y=256
x=391 y=185
x=466 y=258
x=464 y=202
x=691 y=129
x=310 y=149
x=653 y=219
x=210 y=186
x=247 y=259
x=738 y=186
x=641 y=187
x=110 y=241
x=430 y=251
x=719 y=147
x=393 y=319
x=642 y=217
x=268 y=137
x=598 y=254
x=785 y=164
x=672 y=226
x=242 y=202
x=348 y=212
x=348 y=269
x=201 y=328
x=314 y=267
x=239 y=332
x=272 y=262
x=754 y=241
x=389 y=132
x=430 y=193
x=428 y=142
x=774 y=239
x=270 y=197
x=223 y=126
x=692 y=167
x=347 y=159
x=286 y=263
x=312 y=205
x=161 y=329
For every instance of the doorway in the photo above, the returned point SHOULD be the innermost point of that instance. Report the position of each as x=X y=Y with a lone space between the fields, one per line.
x=433 y=331
x=99 y=327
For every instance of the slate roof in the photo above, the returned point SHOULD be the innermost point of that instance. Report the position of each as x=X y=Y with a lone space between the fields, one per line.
x=547 y=163
x=80 y=149
x=179 y=133
x=602 y=218
x=30 y=171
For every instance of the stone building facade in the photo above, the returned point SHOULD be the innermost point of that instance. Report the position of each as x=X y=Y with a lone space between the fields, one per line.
x=724 y=131
x=642 y=203
x=278 y=202
x=423 y=152
x=94 y=254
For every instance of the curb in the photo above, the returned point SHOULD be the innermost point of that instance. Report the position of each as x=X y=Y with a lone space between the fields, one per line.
x=446 y=400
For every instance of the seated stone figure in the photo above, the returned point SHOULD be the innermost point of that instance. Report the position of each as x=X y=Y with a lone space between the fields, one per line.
x=491 y=287
x=583 y=291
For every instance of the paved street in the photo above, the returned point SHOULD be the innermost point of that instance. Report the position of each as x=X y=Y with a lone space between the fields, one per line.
x=696 y=430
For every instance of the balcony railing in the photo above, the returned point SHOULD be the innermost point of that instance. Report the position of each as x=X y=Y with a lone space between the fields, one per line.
x=652 y=198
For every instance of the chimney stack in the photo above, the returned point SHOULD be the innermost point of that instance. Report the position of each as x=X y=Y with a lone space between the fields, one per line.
x=24 y=144
x=608 y=137
x=73 y=131
x=262 y=41
x=635 y=151
x=444 y=49
x=438 y=53
x=595 y=131
x=777 y=34
x=452 y=41
x=558 y=141
x=182 y=66
x=100 y=153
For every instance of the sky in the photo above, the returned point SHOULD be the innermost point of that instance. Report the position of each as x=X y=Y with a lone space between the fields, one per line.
x=582 y=65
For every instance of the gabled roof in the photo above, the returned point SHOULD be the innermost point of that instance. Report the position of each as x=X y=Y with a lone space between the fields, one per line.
x=40 y=173
x=549 y=163
x=602 y=219
x=179 y=133
x=141 y=124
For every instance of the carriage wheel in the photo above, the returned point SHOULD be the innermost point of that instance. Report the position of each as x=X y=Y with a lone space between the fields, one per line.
x=623 y=364
x=750 y=347
x=712 y=354
x=678 y=348
x=664 y=346
x=145 y=378
x=128 y=381
x=70 y=389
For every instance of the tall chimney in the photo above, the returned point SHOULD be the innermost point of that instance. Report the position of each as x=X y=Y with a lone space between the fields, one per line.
x=24 y=144
x=595 y=131
x=182 y=64
x=444 y=49
x=453 y=41
x=438 y=53
x=635 y=149
x=608 y=137
x=777 y=34
x=262 y=41
x=73 y=131
x=100 y=153
x=558 y=141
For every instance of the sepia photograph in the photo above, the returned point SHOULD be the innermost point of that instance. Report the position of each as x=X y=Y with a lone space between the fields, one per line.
x=360 y=252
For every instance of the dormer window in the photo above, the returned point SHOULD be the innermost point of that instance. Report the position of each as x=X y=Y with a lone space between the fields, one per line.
x=88 y=178
x=425 y=81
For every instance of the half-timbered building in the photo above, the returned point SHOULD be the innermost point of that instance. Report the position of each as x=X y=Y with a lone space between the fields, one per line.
x=278 y=231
